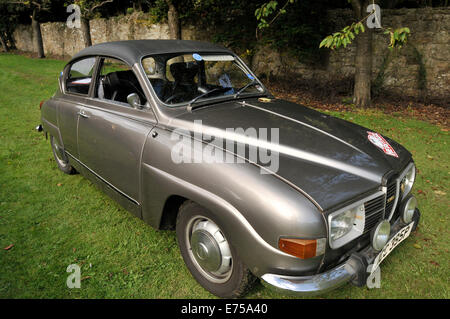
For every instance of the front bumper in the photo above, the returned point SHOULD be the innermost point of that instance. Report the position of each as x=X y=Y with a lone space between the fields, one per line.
x=354 y=270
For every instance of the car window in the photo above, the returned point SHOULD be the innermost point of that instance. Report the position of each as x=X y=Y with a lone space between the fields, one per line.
x=80 y=76
x=183 y=77
x=116 y=81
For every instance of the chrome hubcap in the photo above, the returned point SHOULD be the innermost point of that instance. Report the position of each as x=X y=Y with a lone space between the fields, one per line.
x=209 y=249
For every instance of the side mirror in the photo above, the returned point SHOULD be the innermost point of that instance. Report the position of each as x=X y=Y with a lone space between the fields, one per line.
x=134 y=101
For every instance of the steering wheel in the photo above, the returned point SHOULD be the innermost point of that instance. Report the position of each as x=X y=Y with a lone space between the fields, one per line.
x=173 y=97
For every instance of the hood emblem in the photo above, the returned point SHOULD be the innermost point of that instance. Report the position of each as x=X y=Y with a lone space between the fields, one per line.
x=390 y=199
x=381 y=143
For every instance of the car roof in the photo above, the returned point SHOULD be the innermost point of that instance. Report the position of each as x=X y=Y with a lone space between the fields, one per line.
x=132 y=51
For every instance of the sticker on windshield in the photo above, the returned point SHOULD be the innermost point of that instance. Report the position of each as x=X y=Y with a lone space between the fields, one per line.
x=197 y=57
x=250 y=76
x=378 y=140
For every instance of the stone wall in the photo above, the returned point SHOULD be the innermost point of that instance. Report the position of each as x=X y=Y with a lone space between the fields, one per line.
x=421 y=69
x=62 y=41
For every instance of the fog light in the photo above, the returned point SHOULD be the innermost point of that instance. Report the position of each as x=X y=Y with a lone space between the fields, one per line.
x=380 y=235
x=408 y=209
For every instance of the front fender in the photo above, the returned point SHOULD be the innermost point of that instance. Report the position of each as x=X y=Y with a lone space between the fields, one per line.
x=253 y=210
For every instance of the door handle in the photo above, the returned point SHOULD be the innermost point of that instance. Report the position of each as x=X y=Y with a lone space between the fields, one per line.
x=83 y=114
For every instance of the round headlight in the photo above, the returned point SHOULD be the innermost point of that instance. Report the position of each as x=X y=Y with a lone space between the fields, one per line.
x=408 y=209
x=408 y=181
x=380 y=235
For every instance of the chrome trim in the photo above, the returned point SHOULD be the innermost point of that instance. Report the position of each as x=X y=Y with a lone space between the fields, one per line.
x=397 y=191
x=103 y=180
x=309 y=285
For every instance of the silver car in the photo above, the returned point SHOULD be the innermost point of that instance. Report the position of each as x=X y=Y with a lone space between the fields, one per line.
x=184 y=136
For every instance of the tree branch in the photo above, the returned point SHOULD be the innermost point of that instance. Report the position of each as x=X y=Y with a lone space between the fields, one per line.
x=99 y=5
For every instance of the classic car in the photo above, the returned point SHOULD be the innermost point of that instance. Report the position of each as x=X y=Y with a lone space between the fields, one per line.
x=308 y=204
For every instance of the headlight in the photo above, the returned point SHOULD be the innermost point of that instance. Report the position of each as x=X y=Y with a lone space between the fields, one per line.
x=345 y=225
x=408 y=181
x=342 y=224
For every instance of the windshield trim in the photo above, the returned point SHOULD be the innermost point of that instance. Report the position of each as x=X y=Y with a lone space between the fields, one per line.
x=213 y=99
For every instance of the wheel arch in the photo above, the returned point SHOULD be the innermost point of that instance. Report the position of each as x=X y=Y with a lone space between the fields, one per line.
x=170 y=212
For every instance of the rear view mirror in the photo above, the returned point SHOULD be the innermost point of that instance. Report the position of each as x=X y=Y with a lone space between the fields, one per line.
x=134 y=101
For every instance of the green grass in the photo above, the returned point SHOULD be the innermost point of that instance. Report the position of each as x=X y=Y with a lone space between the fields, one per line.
x=54 y=220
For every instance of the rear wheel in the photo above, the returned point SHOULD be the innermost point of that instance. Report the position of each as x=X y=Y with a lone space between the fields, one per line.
x=209 y=256
x=60 y=157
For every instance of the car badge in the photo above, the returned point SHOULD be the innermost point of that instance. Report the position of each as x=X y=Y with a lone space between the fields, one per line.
x=381 y=143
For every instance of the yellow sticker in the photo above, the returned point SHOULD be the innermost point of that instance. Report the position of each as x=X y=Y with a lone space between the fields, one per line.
x=264 y=99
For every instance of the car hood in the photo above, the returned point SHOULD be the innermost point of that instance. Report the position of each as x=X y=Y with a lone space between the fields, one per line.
x=328 y=159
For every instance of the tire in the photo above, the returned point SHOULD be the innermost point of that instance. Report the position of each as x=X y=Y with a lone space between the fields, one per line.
x=217 y=268
x=60 y=157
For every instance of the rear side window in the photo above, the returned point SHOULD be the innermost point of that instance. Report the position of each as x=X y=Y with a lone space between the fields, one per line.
x=80 y=76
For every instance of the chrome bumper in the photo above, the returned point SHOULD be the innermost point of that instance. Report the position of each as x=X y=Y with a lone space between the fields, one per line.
x=310 y=285
x=354 y=270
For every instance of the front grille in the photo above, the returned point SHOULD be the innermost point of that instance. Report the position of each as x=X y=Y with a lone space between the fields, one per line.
x=374 y=211
x=390 y=197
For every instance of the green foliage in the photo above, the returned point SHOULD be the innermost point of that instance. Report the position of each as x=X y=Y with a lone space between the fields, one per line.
x=343 y=37
x=158 y=11
x=89 y=7
x=398 y=37
x=266 y=10
x=9 y=17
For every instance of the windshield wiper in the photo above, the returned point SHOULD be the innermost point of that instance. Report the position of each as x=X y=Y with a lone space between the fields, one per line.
x=254 y=82
x=190 y=107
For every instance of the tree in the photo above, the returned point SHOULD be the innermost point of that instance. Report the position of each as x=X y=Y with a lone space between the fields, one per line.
x=88 y=9
x=9 y=13
x=35 y=7
x=363 y=57
x=356 y=31
x=173 y=20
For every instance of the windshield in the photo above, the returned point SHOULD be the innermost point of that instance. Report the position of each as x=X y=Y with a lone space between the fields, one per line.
x=190 y=78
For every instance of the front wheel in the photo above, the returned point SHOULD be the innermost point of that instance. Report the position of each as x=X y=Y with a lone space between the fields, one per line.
x=60 y=157
x=209 y=256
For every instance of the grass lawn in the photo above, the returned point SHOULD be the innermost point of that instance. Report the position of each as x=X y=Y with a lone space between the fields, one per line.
x=54 y=220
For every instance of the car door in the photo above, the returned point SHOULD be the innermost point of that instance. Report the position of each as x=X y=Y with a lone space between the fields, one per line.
x=111 y=133
x=77 y=88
